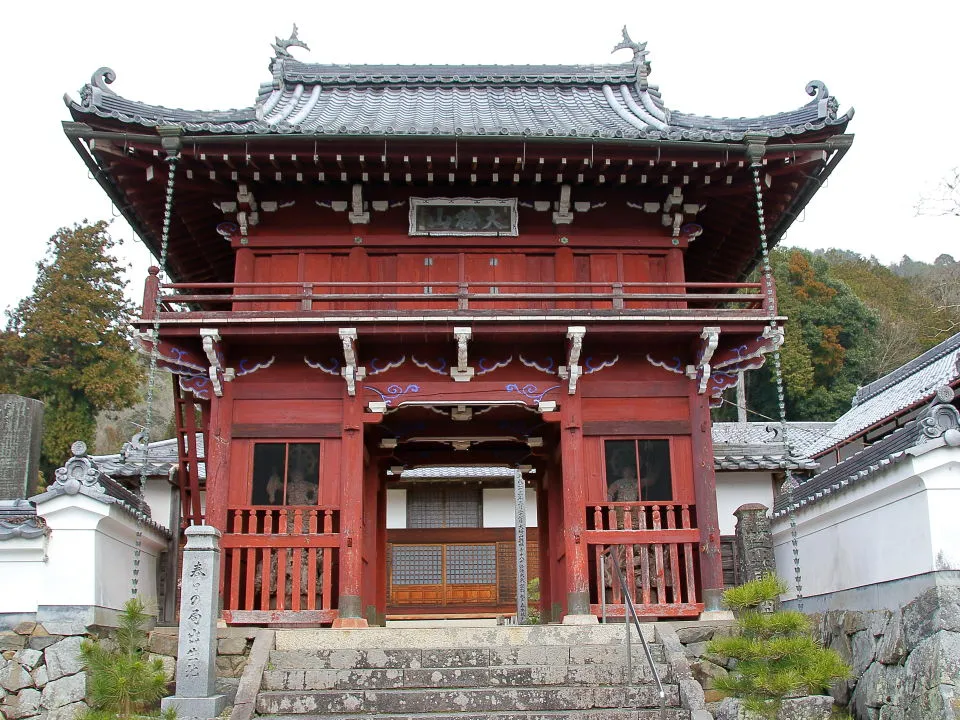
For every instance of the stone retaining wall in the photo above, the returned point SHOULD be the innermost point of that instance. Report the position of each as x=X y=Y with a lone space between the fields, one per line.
x=906 y=664
x=42 y=676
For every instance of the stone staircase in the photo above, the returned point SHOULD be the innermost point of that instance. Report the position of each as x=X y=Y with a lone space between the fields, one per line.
x=501 y=673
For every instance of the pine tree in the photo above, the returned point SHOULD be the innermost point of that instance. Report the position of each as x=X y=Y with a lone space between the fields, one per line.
x=777 y=656
x=121 y=682
x=69 y=343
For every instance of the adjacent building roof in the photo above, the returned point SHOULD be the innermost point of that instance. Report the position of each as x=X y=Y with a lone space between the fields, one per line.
x=18 y=519
x=759 y=446
x=906 y=387
x=940 y=421
x=519 y=101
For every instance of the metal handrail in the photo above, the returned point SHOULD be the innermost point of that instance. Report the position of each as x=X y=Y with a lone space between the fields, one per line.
x=631 y=611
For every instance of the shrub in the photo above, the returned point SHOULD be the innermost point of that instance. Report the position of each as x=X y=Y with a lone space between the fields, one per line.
x=777 y=656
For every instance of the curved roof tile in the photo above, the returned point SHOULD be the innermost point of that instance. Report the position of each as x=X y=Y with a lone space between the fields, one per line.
x=599 y=101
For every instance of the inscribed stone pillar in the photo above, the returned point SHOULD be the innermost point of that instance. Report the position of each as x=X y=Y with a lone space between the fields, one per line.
x=754 y=544
x=21 y=427
x=196 y=667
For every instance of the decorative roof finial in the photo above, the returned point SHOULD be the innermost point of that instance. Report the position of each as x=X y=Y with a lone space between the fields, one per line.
x=281 y=46
x=639 y=51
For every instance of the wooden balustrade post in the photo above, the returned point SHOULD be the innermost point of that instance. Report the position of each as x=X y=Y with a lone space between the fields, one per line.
x=151 y=289
x=574 y=512
x=351 y=514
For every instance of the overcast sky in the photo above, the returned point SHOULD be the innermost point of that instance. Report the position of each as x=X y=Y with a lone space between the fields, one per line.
x=715 y=58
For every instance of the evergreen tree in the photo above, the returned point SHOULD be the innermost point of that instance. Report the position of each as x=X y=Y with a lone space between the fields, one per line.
x=777 y=656
x=830 y=345
x=69 y=343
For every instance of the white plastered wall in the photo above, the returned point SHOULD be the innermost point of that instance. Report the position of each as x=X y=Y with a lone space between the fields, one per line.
x=21 y=574
x=897 y=523
x=739 y=488
x=497 y=508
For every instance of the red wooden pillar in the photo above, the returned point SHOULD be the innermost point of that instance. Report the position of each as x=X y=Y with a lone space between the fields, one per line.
x=557 y=555
x=217 y=441
x=574 y=509
x=705 y=496
x=543 y=539
x=371 y=552
x=351 y=514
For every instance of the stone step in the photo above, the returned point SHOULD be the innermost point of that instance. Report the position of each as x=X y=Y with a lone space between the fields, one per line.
x=454 y=637
x=463 y=657
x=503 y=676
x=463 y=700
x=609 y=714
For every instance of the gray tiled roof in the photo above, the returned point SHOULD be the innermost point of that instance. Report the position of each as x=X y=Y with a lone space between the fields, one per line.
x=129 y=461
x=759 y=446
x=934 y=426
x=587 y=101
x=907 y=386
x=18 y=519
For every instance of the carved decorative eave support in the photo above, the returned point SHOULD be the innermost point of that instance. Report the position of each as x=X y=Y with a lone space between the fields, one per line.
x=674 y=212
x=351 y=372
x=572 y=371
x=214 y=352
x=709 y=339
x=462 y=372
x=564 y=208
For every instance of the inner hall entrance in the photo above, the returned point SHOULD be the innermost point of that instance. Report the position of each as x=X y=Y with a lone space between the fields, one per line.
x=446 y=483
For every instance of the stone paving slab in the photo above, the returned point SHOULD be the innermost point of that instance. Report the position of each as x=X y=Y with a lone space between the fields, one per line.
x=609 y=714
x=455 y=637
x=506 y=676
x=469 y=700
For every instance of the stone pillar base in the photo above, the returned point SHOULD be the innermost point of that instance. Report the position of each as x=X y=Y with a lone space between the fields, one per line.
x=713 y=599
x=350 y=622
x=578 y=603
x=204 y=708
x=580 y=620
x=716 y=616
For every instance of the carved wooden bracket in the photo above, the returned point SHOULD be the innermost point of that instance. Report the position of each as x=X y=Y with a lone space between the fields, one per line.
x=674 y=212
x=572 y=371
x=214 y=352
x=350 y=371
x=462 y=372
x=709 y=338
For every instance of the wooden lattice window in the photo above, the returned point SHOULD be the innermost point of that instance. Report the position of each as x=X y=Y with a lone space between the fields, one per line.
x=471 y=564
x=285 y=473
x=417 y=564
x=436 y=506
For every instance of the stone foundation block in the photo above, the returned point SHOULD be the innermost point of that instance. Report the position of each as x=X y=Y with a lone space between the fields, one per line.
x=66 y=690
x=67 y=712
x=63 y=658
x=24 y=704
x=14 y=677
x=231 y=646
x=162 y=643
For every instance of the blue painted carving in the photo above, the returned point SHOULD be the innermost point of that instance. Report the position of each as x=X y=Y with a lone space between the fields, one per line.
x=393 y=392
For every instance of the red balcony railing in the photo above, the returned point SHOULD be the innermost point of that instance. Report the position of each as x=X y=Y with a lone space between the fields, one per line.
x=653 y=544
x=279 y=564
x=447 y=297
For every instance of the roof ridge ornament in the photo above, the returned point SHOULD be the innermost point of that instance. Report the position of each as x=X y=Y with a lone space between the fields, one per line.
x=827 y=105
x=640 y=52
x=92 y=94
x=282 y=47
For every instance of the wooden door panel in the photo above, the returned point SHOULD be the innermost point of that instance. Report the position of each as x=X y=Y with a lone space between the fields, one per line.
x=604 y=271
x=480 y=275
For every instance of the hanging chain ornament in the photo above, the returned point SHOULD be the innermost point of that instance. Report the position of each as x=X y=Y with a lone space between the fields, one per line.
x=152 y=373
x=790 y=483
